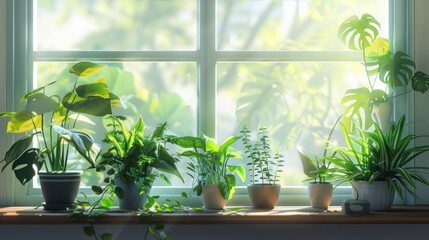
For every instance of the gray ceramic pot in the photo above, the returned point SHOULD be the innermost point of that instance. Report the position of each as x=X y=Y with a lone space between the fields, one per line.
x=59 y=189
x=132 y=199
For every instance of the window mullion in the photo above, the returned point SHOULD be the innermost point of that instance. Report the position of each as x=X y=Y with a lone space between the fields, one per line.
x=206 y=67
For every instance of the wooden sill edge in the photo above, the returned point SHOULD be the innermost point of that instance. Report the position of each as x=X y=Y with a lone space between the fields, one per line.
x=280 y=215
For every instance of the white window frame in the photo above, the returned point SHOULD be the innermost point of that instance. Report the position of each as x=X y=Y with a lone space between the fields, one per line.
x=20 y=58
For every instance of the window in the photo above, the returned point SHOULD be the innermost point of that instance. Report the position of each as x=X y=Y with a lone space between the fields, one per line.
x=203 y=66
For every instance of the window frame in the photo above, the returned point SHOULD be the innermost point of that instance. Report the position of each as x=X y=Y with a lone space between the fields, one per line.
x=19 y=68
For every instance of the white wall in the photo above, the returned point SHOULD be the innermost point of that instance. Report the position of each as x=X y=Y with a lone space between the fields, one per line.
x=421 y=104
x=3 y=194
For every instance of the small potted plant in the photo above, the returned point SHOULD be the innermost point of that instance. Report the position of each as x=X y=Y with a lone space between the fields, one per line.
x=265 y=169
x=52 y=135
x=377 y=164
x=133 y=161
x=319 y=173
x=214 y=177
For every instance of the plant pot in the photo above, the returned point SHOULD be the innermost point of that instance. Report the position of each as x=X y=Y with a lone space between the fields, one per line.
x=212 y=197
x=264 y=196
x=132 y=199
x=320 y=194
x=378 y=195
x=383 y=113
x=59 y=189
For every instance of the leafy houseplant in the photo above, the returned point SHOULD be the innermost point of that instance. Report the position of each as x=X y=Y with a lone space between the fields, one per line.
x=51 y=126
x=392 y=68
x=132 y=161
x=319 y=173
x=380 y=160
x=264 y=190
x=214 y=177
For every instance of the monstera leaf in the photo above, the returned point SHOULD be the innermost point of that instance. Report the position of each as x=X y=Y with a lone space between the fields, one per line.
x=375 y=53
x=357 y=33
x=397 y=71
x=23 y=165
x=420 y=82
x=359 y=103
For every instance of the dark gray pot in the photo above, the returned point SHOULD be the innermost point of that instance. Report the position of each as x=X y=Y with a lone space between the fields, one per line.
x=59 y=189
x=132 y=199
x=264 y=196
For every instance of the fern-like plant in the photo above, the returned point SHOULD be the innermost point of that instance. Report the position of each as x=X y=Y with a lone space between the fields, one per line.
x=265 y=168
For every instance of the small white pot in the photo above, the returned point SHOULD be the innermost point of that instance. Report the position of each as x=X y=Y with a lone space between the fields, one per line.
x=320 y=194
x=378 y=195
x=212 y=197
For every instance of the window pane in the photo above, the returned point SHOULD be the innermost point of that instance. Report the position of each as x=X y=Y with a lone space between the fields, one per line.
x=298 y=102
x=158 y=92
x=115 y=25
x=289 y=24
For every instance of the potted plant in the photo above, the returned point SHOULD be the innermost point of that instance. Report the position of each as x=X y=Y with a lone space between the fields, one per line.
x=214 y=177
x=133 y=161
x=385 y=69
x=52 y=135
x=319 y=173
x=377 y=164
x=265 y=169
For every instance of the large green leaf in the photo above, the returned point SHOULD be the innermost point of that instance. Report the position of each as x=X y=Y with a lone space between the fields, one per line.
x=166 y=163
x=211 y=146
x=39 y=103
x=17 y=149
x=23 y=165
x=397 y=71
x=357 y=34
x=96 y=106
x=189 y=142
x=34 y=91
x=97 y=89
x=227 y=143
x=307 y=164
x=358 y=104
x=239 y=170
x=23 y=121
x=420 y=82
x=86 y=69
x=230 y=182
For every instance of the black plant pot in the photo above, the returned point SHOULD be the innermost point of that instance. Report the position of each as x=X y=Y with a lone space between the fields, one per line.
x=132 y=199
x=59 y=189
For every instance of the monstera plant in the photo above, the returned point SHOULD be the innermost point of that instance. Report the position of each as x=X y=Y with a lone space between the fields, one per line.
x=382 y=64
x=52 y=136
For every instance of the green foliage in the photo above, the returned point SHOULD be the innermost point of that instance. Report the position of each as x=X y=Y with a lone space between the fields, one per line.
x=52 y=122
x=372 y=156
x=394 y=69
x=265 y=168
x=133 y=156
x=209 y=163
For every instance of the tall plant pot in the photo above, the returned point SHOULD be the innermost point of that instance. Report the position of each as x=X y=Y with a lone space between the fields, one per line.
x=379 y=196
x=132 y=199
x=320 y=194
x=59 y=189
x=212 y=197
x=264 y=196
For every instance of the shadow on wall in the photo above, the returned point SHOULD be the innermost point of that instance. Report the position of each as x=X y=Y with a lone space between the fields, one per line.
x=226 y=232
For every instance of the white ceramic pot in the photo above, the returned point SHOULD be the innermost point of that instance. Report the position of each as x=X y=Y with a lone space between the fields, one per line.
x=264 y=196
x=382 y=114
x=378 y=195
x=212 y=197
x=320 y=194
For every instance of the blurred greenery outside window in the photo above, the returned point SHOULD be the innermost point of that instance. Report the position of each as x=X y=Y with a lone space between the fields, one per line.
x=210 y=66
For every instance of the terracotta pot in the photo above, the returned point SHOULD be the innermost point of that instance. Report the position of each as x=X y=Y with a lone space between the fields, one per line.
x=59 y=189
x=132 y=199
x=212 y=197
x=320 y=194
x=378 y=195
x=264 y=196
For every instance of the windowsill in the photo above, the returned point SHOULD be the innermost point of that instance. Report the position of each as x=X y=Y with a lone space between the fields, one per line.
x=245 y=215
